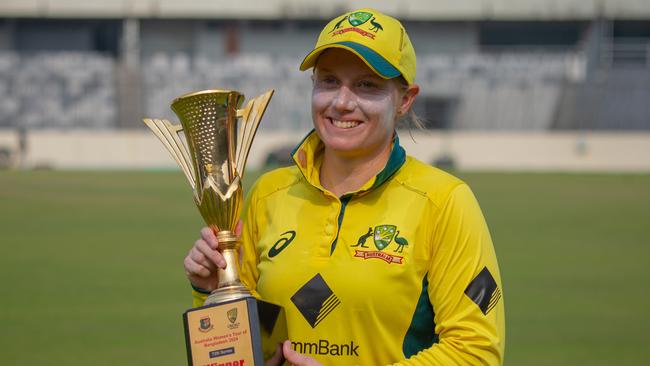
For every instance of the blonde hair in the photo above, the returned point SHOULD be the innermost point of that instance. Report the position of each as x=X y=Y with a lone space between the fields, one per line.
x=410 y=118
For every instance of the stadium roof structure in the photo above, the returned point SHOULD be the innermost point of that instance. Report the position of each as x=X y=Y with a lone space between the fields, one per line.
x=315 y=9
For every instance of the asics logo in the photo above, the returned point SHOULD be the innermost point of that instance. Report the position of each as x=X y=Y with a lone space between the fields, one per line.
x=282 y=243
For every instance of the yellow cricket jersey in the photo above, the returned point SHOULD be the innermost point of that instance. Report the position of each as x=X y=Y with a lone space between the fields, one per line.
x=402 y=271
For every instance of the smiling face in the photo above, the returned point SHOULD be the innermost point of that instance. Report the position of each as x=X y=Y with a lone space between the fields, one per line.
x=353 y=109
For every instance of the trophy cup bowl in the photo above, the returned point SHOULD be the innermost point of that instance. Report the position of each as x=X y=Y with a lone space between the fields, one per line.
x=232 y=324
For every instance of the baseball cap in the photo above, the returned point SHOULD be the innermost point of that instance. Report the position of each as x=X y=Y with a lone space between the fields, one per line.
x=378 y=39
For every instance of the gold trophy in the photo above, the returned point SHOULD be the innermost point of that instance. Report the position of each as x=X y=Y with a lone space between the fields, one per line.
x=232 y=327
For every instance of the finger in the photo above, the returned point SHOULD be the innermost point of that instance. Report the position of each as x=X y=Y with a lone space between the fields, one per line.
x=296 y=358
x=197 y=256
x=277 y=359
x=212 y=257
x=193 y=268
x=209 y=237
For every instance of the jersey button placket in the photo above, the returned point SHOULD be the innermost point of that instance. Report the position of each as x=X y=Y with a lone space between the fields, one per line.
x=330 y=228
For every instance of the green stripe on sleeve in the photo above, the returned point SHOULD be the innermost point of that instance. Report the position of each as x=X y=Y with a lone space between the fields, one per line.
x=422 y=331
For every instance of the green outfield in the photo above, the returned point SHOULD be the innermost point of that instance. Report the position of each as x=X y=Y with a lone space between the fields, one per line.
x=91 y=266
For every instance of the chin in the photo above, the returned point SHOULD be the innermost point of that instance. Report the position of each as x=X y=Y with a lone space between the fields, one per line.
x=339 y=146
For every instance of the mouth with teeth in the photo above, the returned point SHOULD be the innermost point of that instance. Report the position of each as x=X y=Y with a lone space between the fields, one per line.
x=345 y=124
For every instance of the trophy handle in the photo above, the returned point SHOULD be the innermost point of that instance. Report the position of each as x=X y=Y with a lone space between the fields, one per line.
x=251 y=116
x=168 y=134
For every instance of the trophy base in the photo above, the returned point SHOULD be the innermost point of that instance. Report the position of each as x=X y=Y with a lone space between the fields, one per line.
x=228 y=293
x=239 y=332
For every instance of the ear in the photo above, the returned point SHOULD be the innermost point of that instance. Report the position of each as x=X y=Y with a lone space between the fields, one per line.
x=408 y=98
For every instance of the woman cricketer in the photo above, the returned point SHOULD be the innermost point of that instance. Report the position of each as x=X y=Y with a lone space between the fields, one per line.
x=376 y=257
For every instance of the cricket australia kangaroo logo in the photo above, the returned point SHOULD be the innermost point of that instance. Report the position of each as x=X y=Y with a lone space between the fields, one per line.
x=382 y=236
x=355 y=20
x=232 y=315
x=232 y=318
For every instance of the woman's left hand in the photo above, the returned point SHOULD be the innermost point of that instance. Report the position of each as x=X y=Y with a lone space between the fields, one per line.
x=297 y=359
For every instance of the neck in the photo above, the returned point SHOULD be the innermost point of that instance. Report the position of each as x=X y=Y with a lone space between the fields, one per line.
x=342 y=174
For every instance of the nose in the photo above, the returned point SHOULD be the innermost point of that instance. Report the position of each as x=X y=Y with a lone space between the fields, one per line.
x=345 y=100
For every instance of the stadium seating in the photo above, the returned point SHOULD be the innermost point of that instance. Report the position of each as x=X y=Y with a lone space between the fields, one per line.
x=521 y=91
x=57 y=90
x=503 y=92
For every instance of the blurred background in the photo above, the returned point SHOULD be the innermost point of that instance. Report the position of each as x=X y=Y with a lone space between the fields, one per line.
x=542 y=106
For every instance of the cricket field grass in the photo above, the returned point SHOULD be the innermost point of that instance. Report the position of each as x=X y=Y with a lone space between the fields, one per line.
x=91 y=266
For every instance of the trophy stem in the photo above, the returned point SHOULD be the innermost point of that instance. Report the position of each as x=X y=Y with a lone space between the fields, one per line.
x=229 y=286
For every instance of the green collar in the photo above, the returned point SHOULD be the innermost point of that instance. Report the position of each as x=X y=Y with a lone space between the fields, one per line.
x=395 y=161
x=307 y=157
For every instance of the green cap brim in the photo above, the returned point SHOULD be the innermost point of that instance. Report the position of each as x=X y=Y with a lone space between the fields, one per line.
x=374 y=60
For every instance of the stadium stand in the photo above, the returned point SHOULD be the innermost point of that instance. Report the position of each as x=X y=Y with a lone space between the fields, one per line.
x=57 y=90
x=506 y=66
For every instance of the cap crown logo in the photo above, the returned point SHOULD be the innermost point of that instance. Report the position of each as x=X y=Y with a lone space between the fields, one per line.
x=359 y=18
x=379 y=40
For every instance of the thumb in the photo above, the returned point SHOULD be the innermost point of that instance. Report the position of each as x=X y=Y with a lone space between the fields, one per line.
x=295 y=358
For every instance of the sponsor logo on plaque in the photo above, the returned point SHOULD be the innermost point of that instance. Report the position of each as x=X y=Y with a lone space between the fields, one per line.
x=205 y=325
x=232 y=317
